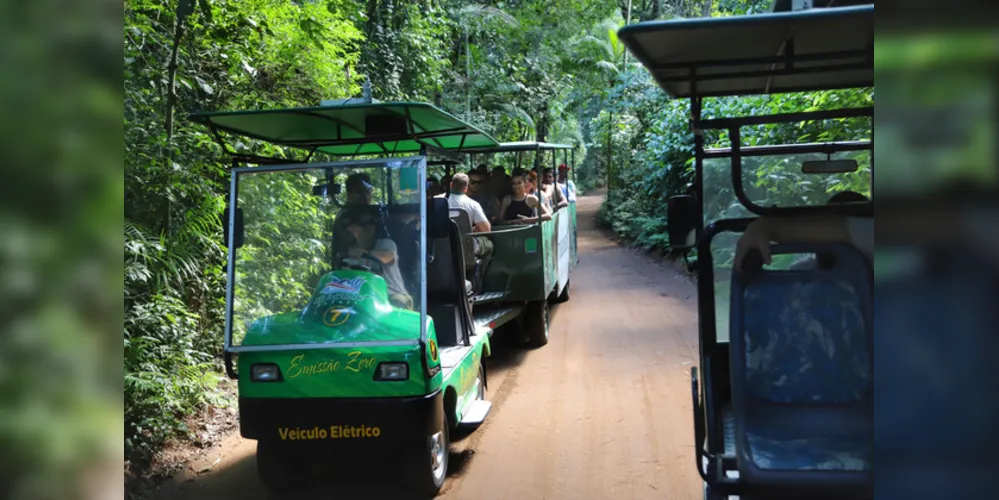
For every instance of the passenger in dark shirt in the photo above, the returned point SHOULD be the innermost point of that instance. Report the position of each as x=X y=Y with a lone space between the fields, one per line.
x=521 y=207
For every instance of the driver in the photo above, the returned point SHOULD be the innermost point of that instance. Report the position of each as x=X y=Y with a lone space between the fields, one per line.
x=369 y=245
x=359 y=194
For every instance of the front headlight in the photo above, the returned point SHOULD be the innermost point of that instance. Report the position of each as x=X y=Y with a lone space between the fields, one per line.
x=265 y=372
x=392 y=371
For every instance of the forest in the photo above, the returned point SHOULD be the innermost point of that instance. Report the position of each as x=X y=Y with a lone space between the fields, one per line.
x=550 y=70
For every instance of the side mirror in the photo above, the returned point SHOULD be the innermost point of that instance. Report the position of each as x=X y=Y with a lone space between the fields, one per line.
x=238 y=226
x=681 y=222
x=438 y=218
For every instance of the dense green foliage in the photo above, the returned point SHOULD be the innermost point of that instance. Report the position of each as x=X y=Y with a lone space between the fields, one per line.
x=519 y=69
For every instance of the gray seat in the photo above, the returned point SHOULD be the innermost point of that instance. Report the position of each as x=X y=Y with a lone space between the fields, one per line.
x=447 y=292
x=460 y=216
x=800 y=361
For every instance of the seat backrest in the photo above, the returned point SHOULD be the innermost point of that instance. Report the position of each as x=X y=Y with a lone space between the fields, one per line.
x=464 y=221
x=442 y=283
x=803 y=337
x=445 y=289
x=407 y=239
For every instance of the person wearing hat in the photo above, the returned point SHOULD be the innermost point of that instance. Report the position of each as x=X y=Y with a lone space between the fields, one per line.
x=565 y=184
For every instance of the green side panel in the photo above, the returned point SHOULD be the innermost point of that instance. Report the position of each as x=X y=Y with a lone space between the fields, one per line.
x=347 y=306
x=573 y=228
x=514 y=269
x=461 y=378
x=549 y=237
x=333 y=373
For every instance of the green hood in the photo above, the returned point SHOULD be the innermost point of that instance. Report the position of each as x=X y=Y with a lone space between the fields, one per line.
x=347 y=306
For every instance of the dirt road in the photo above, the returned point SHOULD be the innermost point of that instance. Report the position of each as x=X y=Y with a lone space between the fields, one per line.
x=603 y=411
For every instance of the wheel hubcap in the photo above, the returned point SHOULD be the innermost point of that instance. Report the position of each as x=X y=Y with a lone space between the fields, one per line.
x=437 y=452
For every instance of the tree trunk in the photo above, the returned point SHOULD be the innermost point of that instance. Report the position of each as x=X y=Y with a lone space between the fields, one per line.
x=541 y=131
x=178 y=33
x=468 y=77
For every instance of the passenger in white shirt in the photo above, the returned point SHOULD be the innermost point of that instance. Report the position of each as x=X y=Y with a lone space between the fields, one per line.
x=565 y=183
x=477 y=218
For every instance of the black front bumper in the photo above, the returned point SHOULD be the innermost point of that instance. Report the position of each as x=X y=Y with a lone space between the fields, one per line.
x=343 y=421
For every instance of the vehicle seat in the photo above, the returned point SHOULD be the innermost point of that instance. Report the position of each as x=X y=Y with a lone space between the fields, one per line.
x=445 y=289
x=407 y=238
x=460 y=216
x=800 y=360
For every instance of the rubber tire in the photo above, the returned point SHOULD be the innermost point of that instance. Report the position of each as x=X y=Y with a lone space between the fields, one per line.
x=422 y=480
x=482 y=383
x=536 y=323
x=278 y=473
x=564 y=296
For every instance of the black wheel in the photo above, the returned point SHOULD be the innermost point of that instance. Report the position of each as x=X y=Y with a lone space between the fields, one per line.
x=564 y=296
x=536 y=323
x=481 y=383
x=276 y=468
x=427 y=477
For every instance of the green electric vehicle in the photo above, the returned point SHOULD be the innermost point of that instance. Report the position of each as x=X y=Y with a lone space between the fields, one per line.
x=532 y=263
x=351 y=327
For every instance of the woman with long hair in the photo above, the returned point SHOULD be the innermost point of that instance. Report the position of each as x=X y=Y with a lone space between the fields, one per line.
x=522 y=207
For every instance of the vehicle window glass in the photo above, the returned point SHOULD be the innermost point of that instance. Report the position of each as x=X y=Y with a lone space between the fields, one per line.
x=297 y=242
x=777 y=181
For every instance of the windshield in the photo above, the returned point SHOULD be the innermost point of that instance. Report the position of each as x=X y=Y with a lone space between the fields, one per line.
x=325 y=243
x=769 y=181
x=777 y=181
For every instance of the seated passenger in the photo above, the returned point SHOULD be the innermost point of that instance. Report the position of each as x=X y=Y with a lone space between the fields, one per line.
x=521 y=207
x=532 y=188
x=831 y=228
x=478 y=181
x=445 y=184
x=369 y=245
x=565 y=183
x=499 y=183
x=433 y=186
x=825 y=261
x=556 y=195
x=477 y=219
